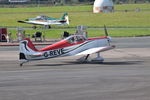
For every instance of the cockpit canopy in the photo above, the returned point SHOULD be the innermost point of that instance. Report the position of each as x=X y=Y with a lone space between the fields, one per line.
x=42 y=16
x=75 y=38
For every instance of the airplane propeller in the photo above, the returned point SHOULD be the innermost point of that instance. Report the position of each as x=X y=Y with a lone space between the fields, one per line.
x=105 y=29
x=107 y=35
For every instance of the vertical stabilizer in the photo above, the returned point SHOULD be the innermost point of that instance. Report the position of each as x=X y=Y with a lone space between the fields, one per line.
x=26 y=47
x=65 y=17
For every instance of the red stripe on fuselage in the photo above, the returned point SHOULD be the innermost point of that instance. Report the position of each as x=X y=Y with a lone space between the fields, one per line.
x=58 y=45
x=104 y=37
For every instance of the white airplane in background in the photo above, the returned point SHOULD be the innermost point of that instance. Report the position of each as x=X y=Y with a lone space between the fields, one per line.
x=73 y=45
x=47 y=21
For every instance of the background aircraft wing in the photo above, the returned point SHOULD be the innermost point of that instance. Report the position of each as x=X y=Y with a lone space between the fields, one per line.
x=53 y=22
x=96 y=50
x=35 y=22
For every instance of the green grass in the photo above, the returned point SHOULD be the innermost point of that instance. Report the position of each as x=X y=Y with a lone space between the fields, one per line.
x=48 y=9
x=82 y=15
x=132 y=6
x=116 y=19
x=10 y=16
x=71 y=8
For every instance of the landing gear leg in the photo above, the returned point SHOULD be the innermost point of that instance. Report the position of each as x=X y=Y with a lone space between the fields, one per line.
x=87 y=57
x=47 y=26
x=98 y=58
x=84 y=58
x=34 y=27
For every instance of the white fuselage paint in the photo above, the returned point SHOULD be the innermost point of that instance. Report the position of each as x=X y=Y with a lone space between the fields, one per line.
x=67 y=51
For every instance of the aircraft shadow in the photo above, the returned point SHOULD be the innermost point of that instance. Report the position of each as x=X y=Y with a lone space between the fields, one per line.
x=104 y=63
x=109 y=63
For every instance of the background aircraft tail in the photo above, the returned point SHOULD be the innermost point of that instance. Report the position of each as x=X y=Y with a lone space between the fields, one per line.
x=65 y=17
x=26 y=48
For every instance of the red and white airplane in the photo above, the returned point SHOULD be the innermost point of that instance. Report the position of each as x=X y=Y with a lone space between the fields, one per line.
x=71 y=46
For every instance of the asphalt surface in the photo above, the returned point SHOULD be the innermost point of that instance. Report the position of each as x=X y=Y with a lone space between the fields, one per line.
x=125 y=75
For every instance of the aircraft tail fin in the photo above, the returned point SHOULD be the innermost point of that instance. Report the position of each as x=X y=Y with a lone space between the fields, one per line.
x=65 y=17
x=26 y=47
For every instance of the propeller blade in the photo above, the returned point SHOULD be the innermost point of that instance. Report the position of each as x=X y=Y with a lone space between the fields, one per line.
x=106 y=34
x=105 y=29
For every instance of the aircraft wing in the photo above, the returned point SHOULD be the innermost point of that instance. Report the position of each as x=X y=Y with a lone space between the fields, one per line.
x=53 y=22
x=96 y=50
x=34 y=22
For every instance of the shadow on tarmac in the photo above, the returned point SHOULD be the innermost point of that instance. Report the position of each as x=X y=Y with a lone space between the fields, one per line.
x=85 y=63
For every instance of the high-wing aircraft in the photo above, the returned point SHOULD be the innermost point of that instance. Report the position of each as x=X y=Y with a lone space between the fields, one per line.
x=71 y=46
x=47 y=21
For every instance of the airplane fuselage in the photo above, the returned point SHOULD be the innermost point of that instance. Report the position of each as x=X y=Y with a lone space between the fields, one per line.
x=47 y=21
x=63 y=48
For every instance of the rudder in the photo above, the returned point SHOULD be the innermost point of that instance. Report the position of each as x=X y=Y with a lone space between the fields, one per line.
x=26 y=47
